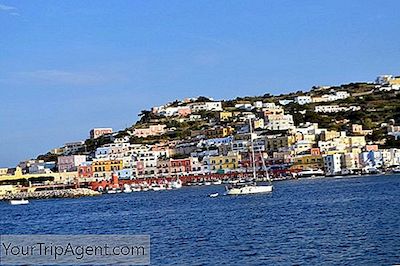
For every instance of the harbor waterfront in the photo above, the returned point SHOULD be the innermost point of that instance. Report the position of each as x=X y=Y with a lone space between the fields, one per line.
x=306 y=221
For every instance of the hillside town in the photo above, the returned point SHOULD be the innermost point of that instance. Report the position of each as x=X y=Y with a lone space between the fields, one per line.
x=206 y=137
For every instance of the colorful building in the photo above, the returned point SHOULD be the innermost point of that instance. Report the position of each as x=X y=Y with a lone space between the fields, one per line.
x=152 y=130
x=98 y=132
x=219 y=132
x=308 y=162
x=70 y=163
x=105 y=168
x=224 y=116
x=223 y=162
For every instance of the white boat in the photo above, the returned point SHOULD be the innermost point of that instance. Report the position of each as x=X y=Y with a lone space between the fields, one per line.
x=396 y=170
x=127 y=189
x=136 y=188
x=311 y=173
x=217 y=182
x=213 y=195
x=249 y=188
x=19 y=202
x=155 y=187
x=246 y=188
x=207 y=183
x=176 y=184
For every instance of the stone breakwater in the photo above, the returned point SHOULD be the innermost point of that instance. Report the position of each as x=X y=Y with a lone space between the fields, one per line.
x=47 y=194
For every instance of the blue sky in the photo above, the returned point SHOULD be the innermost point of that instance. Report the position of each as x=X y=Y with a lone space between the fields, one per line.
x=68 y=66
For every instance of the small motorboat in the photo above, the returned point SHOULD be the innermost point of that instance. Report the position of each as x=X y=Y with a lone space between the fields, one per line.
x=213 y=195
x=217 y=182
x=19 y=202
x=176 y=184
x=127 y=189
x=396 y=170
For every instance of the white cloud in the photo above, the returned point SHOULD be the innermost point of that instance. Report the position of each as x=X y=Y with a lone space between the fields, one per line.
x=7 y=8
x=11 y=10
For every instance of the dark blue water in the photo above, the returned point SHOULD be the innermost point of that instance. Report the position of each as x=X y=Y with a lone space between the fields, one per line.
x=353 y=221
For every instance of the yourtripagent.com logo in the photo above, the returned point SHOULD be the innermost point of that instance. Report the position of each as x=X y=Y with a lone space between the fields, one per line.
x=75 y=249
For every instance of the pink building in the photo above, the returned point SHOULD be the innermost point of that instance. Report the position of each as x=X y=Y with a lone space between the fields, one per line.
x=70 y=163
x=174 y=167
x=152 y=130
x=184 y=111
x=98 y=132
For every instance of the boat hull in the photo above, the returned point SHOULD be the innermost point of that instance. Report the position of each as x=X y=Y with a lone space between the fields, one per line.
x=19 y=202
x=250 y=190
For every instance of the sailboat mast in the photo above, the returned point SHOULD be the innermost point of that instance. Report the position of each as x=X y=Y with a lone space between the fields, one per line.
x=252 y=149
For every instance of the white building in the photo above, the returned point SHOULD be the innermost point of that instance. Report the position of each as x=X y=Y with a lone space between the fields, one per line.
x=332 y=163
x=279 y=122
x=391 y=157
x=258 y=104
x=340 y=95
x=327 y=109
x=334 y=108
x=206 y=106
x=244 y=106
x=303 y=100
x=73 y=147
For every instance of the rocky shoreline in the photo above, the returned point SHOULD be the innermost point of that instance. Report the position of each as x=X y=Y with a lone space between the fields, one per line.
x=48 y=194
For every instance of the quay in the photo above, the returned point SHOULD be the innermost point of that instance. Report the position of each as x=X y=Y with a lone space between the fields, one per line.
x=47 y=194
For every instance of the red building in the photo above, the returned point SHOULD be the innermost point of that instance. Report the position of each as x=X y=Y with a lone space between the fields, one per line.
x=85 y=170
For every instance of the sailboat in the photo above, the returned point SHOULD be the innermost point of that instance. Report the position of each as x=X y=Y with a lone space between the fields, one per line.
x=252 y=187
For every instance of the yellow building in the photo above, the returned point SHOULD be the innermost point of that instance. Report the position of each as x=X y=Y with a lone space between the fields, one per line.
x=49 y=178
x=3 y=171
x=105 y=168
x=224 y=116
x=107 y=165
x=394 y=81
x=275 y=143
x=308 y=162
x=219 y=132
x=258 y=123
x=357 y=141
x=328 y=135
x=224 y=162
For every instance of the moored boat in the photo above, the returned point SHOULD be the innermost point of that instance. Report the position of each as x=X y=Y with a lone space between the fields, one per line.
x=243 y=187
x=311 y=173
x=176 y=184
x=19 y=202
